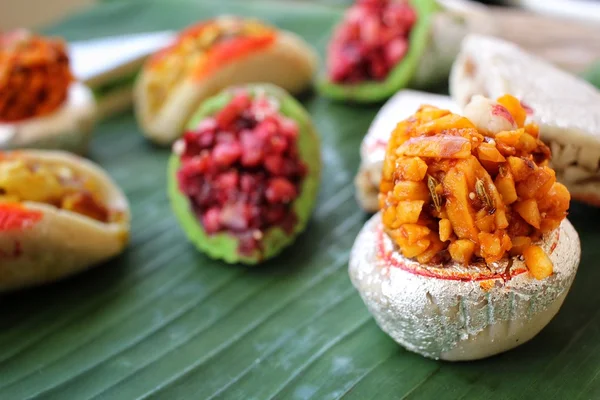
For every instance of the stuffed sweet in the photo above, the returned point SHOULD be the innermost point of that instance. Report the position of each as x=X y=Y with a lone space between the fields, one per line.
x=112 y=76
x=209 y=57
x=244 y=177
x=566 y=108
x=41 y=105
x=59 y=214
x=471 y=253
x=382 y=46
x=372 y=149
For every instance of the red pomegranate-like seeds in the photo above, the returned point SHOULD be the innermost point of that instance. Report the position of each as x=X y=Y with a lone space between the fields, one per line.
x=241 y=169
x=371 y=40
x=280 y=190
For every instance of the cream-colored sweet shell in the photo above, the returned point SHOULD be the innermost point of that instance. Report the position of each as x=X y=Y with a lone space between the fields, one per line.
x=289 y=63
x=68 y=128
x=460 y=320
x=566 y=108
x=62 y=242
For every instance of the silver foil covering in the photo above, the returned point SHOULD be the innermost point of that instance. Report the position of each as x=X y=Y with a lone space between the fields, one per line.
x=451 y=313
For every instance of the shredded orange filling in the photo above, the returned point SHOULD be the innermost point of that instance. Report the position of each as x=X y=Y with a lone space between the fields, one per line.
x=451 y=192
x=203 y=48
x=34 y=75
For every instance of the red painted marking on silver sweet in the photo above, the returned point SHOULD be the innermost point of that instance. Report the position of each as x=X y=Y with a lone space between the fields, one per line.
x=16 y=217
x=555 y=243
x=388 y=258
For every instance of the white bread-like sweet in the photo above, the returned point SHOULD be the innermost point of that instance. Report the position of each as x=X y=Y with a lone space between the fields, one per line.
x=68 y=128
x=288 y=62
x=566 y=108
x=53 y=243
x=454 y=313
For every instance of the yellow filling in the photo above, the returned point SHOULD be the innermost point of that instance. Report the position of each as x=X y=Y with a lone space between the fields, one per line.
x=59 y=186
x=191 y=52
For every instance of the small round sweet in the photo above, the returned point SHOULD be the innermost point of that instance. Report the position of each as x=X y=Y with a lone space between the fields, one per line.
x=471 y=253
x=243 y=179
x=41 y=106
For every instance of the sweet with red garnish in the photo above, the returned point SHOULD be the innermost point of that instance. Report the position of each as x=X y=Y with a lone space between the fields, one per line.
x=382 y=46
x=244 y=177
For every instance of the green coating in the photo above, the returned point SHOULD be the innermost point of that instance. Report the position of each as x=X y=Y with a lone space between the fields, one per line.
x=400 y=76
x=222 y=245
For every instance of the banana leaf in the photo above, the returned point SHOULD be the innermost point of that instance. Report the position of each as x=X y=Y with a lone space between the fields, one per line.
x=163 y=321
x=592 y=74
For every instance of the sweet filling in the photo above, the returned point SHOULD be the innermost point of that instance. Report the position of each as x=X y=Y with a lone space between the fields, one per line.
x=34 y=75
x=57 y=185
x=241 y=169
x=203 y=49
x=471 y=190
x=371 y=40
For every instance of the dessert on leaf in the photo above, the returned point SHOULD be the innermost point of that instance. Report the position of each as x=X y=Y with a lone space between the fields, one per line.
x=243 y=178
x=471 y=253
x=59 y=214
x=209 y=57
x=381 y=46
x=41 y=105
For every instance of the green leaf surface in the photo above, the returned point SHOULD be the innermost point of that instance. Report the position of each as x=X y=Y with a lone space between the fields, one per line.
x=163 y=321
x=592 y=74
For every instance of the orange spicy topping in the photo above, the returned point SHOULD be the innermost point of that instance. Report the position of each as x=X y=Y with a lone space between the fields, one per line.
x=203 y=49
x=453 y=189
x=15 y=217
x=34 y=75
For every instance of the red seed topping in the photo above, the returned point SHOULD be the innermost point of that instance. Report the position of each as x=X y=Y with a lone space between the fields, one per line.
x=370 y=41
x=241 y=169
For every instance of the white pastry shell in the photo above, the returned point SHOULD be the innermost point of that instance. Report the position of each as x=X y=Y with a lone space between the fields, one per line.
x=62 y=242
x=68 y=128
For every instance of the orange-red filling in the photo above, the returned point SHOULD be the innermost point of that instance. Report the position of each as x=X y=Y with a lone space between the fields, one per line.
x=15 y=217
x=202 y=50
x=449 y=192
x=34 y=75
x=206 y=47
